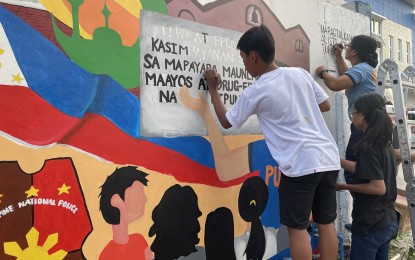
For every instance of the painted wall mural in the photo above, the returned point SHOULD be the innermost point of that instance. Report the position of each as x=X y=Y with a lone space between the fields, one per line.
x=79 y=180
x=174 y=54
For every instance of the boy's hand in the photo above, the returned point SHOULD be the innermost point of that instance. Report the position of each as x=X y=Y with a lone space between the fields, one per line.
x=320 y=69
x=213 y=80
x=340 y=186
x=338 y=48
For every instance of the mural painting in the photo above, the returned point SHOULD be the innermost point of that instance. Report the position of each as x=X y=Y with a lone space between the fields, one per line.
x=175 y=52
x=88 y=170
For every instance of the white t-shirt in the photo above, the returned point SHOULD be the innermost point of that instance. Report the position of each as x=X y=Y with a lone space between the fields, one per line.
x=286 y=101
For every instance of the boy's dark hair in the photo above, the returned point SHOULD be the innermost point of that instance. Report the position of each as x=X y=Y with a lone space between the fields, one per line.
x=365 y=46
x=379 y=131
x=260 y=40
x=117 y=183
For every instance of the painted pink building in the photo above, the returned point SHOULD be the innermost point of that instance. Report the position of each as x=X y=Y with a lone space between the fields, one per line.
x=292 y=44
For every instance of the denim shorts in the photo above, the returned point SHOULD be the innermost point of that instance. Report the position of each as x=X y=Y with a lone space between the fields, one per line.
x=374 y=246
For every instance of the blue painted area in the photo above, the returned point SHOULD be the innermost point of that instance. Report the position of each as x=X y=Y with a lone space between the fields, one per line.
x=195 y=147
x=260 y=157
x=118 y=105
x=281 y=255
x=64 y=84
x=286 y=254
x=397 y=11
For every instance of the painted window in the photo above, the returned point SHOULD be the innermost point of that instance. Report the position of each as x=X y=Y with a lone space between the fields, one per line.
x=186 y=14
x=299 y=46
x=253 y=15
x=408 y=52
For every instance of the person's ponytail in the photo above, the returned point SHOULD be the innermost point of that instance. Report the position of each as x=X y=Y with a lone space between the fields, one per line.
x=372 y=59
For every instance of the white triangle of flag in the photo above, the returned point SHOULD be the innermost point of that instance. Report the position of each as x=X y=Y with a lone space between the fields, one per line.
x=10 y=72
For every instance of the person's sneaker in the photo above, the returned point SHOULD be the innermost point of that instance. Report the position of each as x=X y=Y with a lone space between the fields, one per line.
x=348 y=226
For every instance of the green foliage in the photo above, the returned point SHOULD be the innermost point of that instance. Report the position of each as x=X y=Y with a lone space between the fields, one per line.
x=411 y=253
x=402 y=247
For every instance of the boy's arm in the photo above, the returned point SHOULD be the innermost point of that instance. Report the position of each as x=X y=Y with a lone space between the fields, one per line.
x=332 y=82
x=398 y=156
x=324 y=106
x=373 y=187
x=213 y=81
x=349 y=166
x=220 y=109
x=337 y=83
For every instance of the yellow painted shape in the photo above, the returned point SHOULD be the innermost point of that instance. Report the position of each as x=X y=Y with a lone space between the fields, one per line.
x=32 y=237
x=51 y=241
x=132 y=6
x=33 y=251
x=64 y=189
x=32 y=192
x=17 y=78
x=12 y=248
x=60 y=254
x=63 y=12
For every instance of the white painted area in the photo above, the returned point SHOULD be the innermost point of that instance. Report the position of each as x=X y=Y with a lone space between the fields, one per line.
x=10 y=72
x=26 y=3
x=194 y=47
x=334 y=30
x=204 y=2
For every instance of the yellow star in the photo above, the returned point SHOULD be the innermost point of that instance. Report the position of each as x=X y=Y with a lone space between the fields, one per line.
x=64 y=189
x=32 y=192
x=17 y=78
x=1 y=51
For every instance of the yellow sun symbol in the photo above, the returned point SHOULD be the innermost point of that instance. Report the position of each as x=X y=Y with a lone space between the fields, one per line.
x=33 y=251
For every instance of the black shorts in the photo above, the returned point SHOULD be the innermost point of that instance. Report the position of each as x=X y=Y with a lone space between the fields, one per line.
x=299 y=196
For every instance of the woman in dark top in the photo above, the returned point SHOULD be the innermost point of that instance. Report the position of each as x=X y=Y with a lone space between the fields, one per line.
x=374 y=216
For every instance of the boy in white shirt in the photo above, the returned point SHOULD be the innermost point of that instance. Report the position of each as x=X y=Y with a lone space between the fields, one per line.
x=288 y=103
